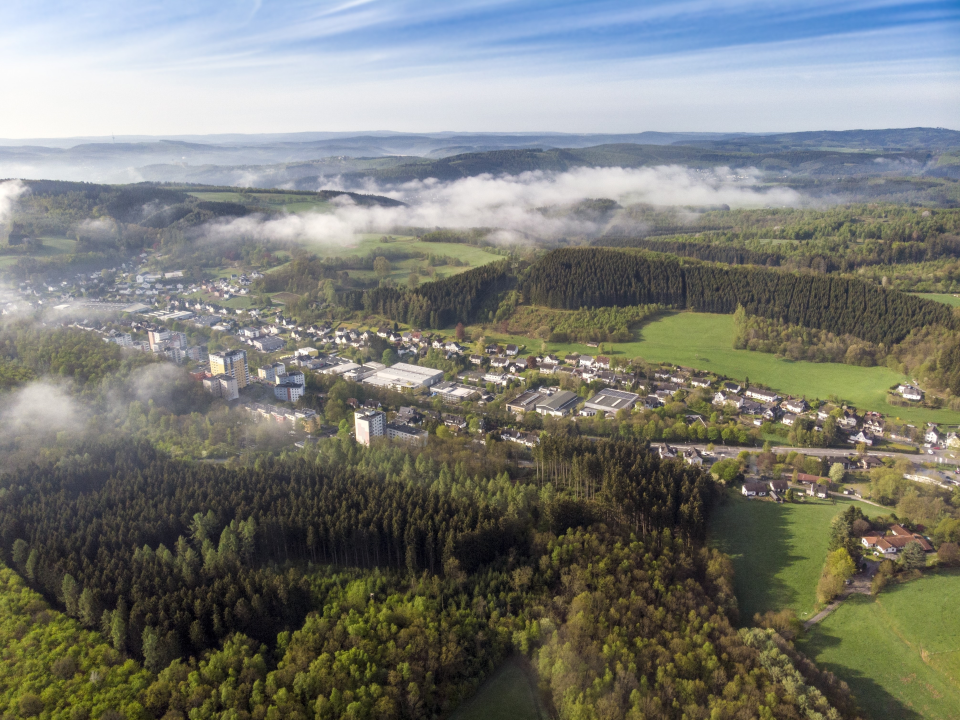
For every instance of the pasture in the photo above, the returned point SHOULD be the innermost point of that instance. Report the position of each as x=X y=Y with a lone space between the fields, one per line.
x=51 y=246
x=508 y=694
x=778 y=551
x=900 y=651
x=953 y=300
x=276 y=201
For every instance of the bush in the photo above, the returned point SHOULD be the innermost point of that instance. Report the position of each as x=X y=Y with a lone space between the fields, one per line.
x=949 y=554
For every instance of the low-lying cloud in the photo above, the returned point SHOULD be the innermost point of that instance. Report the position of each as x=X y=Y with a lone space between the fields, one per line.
x=10 y=192
x=39 y=409
x=513 y=204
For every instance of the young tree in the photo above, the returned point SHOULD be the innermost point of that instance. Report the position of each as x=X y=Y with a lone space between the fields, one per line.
x=949 y=554
x=913 y=556
x=837 y=473
x=460 y=332
x=381 y=266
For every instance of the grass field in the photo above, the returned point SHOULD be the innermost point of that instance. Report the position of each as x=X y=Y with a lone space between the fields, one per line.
x=507 y=695
x=51 y=246
x=900 y=652
x=290 y=203
x=946 y=298
x=778 y=551
x=705 y=341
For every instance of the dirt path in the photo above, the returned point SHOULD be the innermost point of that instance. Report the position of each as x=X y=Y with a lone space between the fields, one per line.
x=859 y=584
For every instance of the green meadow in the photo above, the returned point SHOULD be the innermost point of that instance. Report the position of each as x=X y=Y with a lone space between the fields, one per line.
x=705 y=341
x=900 y=651
x=280 y=201
x=51 y=246
x=946 y=298
x=778 y=551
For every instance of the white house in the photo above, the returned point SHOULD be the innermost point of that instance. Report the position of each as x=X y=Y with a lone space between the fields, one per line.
x=754 y=489
x=910 y=392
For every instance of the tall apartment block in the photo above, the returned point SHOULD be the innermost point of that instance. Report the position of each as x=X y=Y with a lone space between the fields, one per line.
x=232 y=363
x=369 y=424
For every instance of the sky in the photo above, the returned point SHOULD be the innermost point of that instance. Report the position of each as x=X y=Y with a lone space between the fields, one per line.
x=171 y=67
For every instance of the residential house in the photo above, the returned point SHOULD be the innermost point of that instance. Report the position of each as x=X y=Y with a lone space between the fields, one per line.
x=722 y=400
x=476 y=359
x=797 y=407
x=932 y=435
x=873 y=423
x=816 y=490
x=779 y=486
x=512 y=350
x=731 y=387
x=692 y=456
x=764 y=396
x=500 y=361
x=893 y=543
x=910 y=392
x=700 y=382
x=860 y=437
x=572 y=359
x=665 y=451
x=754 y=489
x=602 y=362
x=789 y=419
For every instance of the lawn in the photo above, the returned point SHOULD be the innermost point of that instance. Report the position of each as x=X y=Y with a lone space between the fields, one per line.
x=947 y=298
x=509 y=694
x=705 y=341
x=900 y=652
x=51 y=246
x=290 y=203
x=778 y=551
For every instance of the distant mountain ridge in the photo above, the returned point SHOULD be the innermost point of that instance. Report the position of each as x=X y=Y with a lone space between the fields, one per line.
x=309 y=160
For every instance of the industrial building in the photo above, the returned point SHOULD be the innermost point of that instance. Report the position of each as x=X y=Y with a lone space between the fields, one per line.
x=403 y=375
x=609 y=400
x=558 y=404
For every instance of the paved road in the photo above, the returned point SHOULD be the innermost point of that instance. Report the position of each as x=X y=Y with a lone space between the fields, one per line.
x=734 y=450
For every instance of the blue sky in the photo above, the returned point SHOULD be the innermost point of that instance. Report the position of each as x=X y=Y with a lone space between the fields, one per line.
x=95 y=67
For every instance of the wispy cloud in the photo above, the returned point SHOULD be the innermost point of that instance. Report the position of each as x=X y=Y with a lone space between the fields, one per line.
x=262 y=65
x=513 y=204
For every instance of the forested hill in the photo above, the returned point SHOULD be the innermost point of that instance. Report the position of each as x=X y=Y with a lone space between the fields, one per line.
x=825 y=162
x=594 y=277
x=575 y=278
x=428 y=579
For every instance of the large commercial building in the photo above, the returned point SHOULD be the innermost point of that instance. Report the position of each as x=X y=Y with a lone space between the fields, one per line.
x=232 y=363
x=404 y=375
x=525 y=402
x=558 y=404
x=368 y=424
x=609 y=400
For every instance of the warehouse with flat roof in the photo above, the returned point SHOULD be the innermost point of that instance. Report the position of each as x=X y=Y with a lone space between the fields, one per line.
x=609 y=400
x=558 y=404
x=404 y=375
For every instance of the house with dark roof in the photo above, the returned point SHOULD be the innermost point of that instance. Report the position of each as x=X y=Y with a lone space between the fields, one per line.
x=754 y=489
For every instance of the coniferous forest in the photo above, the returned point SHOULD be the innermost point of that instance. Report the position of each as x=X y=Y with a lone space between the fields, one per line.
x=573 y=278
